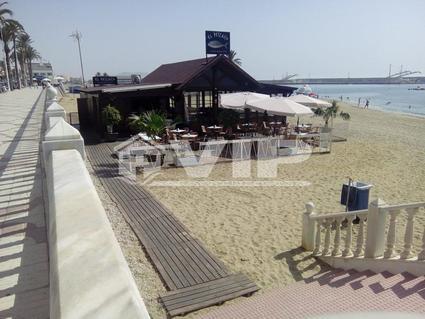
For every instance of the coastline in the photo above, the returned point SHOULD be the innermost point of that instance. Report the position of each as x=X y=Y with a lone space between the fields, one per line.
x=373 y=107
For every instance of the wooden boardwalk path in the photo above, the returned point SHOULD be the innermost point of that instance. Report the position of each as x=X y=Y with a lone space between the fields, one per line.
x=195 y=277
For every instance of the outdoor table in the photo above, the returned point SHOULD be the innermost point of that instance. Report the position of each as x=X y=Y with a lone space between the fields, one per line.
x=215 y=130
x=189 y=136
x=178 y=131
x=215 y=127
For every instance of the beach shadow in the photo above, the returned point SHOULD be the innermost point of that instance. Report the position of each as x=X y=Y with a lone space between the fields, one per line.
x=297 y=256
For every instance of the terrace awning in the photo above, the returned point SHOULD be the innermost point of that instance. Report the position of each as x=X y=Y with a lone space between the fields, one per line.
x=279 y=106
x=239 y=100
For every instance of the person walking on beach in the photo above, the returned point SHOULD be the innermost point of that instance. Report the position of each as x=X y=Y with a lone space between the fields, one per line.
x=358 y=103
x=367 y=104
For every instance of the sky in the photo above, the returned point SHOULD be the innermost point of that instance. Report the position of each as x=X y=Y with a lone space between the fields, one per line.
x=322 y=38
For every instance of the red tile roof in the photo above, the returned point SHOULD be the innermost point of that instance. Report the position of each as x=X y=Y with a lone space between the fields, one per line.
x=176 y=73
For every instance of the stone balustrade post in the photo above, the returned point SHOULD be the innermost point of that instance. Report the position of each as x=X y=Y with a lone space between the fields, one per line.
x=54 y=110
x=51 y=95
x=375 y=234
x=309 y=228
x=62 y=136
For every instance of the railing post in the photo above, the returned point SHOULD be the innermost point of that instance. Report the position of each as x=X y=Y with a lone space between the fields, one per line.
x=347 y=252
x=408 y=235
x=309 y=229
x=375 y=233
x=327 y=243
x=360 y=237
x=421 y=255
x=391 y=236
x=337 y=242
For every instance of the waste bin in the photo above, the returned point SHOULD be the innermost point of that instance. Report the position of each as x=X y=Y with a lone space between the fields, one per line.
x=358 y=198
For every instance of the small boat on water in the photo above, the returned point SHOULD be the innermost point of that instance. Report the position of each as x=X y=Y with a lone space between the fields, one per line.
x=306 y=90
x=418 y=88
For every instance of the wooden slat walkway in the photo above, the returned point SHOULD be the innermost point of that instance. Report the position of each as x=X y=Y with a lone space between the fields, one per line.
x=182 y=261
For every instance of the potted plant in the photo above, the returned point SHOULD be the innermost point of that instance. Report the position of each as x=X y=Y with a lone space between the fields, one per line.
x=329 y=114
x=110 y=116
x=153 y=124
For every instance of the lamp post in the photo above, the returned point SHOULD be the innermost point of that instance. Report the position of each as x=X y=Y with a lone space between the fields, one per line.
x=77 y=36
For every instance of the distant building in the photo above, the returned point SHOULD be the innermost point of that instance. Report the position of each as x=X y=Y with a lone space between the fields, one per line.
x=42 y=70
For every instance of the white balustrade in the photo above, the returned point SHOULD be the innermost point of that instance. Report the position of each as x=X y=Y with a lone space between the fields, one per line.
x=360 y=237
x=337 y=242
x=421 y=255
x=349 y=237
x=318 y=240
x=372 y=242
x=326 y=246
x=408 y=235
x=391 y=237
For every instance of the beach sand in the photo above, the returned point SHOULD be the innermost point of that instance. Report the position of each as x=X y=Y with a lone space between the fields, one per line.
x=257 y=230
x=69 y=102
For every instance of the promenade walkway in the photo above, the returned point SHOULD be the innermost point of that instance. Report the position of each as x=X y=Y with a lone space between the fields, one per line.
x=24 y=280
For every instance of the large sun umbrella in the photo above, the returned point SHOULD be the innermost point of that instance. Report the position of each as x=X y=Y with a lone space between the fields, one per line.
x=279 y=106
x=46 y=80
x=309 y=101
x=239 y=100
x=58 y=78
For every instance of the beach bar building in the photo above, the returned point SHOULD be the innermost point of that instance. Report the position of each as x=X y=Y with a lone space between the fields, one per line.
x=187 y=91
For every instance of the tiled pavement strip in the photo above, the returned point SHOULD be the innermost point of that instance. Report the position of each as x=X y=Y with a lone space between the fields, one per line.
x=24 y=280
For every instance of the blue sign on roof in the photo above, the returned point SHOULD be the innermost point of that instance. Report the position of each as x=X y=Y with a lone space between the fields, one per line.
x=217 y=42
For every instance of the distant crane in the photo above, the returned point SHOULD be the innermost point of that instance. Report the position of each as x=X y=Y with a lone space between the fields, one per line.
x=289 y=76
x=401 y=73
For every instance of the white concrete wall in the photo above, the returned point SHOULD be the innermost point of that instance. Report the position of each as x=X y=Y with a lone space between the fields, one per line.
x=89 y=277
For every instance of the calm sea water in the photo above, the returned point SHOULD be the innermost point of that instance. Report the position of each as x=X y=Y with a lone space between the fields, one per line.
x=394 y=98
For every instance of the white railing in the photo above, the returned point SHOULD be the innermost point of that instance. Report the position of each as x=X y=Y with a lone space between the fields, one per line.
x=373 y=238
x=410 y=211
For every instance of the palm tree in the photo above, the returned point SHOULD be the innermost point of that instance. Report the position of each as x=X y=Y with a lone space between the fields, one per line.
x=11 y=29
x=23 y=42
x=331 y=112
x=31 y=54
x=151 y=122
x=233 y=58
x=4 y=16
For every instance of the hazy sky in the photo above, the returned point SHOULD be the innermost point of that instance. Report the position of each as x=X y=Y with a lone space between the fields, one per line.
x=310 y=38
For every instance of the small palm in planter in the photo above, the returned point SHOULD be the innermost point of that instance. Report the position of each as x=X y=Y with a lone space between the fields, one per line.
x=330 y=113
x=110 y=116
x=152 y=123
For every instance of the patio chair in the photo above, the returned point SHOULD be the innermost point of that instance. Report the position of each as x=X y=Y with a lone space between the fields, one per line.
x=266 y=129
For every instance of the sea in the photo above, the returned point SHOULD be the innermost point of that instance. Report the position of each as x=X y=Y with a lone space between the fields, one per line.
x=391 y=97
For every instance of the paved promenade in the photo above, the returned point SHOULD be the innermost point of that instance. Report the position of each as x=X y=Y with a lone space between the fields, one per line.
x=24 y=280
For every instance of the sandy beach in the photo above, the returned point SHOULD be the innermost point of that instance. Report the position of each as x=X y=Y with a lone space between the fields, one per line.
x=257 y=230
x=69 y=102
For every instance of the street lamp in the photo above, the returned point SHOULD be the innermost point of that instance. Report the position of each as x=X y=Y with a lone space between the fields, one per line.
x=77 y=36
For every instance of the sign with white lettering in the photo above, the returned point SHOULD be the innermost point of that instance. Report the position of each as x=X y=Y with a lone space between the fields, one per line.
x=217 y=42
x=105 y=80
